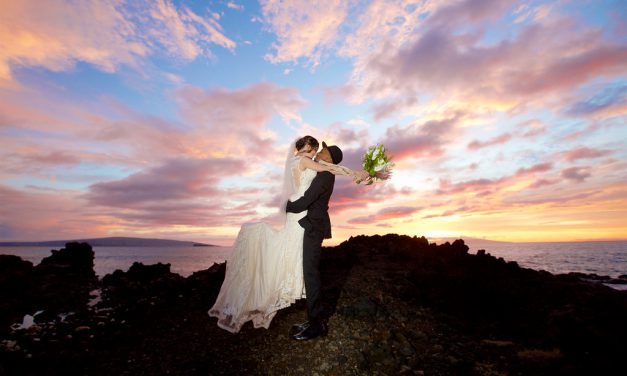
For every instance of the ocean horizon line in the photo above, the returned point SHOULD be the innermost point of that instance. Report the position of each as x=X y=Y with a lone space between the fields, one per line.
x=136 y=241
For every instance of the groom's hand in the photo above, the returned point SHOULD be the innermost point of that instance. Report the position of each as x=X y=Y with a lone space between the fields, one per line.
x=293 y=208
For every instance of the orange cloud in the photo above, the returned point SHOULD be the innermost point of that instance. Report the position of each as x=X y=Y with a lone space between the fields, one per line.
x=56 y=34
x=387 y=214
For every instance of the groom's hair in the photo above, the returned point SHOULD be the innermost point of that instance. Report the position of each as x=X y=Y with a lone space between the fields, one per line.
x=307 y=140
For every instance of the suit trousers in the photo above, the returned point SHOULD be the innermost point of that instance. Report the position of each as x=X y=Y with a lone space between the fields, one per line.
x=312 y=245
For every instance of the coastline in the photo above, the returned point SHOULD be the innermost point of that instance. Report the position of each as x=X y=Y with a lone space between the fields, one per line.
x=397 y=305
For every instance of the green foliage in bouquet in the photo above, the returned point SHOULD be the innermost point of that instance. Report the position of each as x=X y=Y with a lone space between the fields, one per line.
x=377 y=163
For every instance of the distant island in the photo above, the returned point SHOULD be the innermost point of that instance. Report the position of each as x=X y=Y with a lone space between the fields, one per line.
x=110 y=242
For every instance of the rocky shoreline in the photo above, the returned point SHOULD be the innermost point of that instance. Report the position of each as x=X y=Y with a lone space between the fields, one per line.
x=396 y=305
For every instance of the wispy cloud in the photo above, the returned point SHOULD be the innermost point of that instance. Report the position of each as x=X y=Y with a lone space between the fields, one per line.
x=585 y=153
x=234 y=122
x=305 y=29
x=612 y=99
x=57 y=34
x=420 y=140
x=578 y=174
x=387 y=214
x=183 y=191
x=498 y=140
x=234 y=5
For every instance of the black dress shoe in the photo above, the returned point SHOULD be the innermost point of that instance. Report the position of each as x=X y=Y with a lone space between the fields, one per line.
x=311 y=332
x=297 y=328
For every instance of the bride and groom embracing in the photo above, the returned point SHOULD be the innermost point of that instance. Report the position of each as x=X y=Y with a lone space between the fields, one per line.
x=270 y=269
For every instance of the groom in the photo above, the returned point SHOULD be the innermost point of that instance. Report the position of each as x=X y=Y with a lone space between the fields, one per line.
x=317 y=227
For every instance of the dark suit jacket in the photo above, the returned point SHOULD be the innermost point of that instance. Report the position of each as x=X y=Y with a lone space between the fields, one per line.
x=316 y=202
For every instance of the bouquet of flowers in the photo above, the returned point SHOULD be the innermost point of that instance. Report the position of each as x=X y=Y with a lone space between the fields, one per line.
x=377 y=166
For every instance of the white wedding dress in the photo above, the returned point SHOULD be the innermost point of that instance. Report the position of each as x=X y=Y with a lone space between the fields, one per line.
x=265 y=271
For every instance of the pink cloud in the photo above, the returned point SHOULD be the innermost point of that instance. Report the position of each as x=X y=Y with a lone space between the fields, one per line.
x=215 y=214
x=553 y=199
x=544 y=182
x=234 y=121
x=181 y=191
x=217 y=123
x=34 y=161
x=304 y=29
x=103 y=131
x=540 y=167
x=176 y=179
x=567 y=73
x=532 y=128
x=448 y=213
x=58 y=34
x=348 y=196
x=584 y=153
x=234 y=5
x=469 y=12
x=483 y=185
x=586 y=131
x=475 y=145
x=450 y=61
x=578 y=174
x=389 y=108
x=420 y=140
x=385 y=215
x=345 y=136
x=46 y=214
x=471 y=185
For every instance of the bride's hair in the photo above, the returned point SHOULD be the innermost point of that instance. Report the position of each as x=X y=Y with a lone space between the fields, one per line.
x=307 y=140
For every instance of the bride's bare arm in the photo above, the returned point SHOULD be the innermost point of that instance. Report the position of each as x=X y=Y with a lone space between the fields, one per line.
x=358 y=176
x=313 y=165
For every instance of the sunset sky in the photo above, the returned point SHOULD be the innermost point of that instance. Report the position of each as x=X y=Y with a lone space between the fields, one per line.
x=507 y=120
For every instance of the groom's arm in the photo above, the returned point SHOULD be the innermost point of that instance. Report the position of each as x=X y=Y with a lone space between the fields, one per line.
x=320 y=184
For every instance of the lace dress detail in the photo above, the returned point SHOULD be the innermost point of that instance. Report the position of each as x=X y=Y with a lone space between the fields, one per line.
x=265 y=270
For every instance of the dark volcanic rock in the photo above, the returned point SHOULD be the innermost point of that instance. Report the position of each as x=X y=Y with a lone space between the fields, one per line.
x=77 y=256
x=65 y=278
x=141 y=286
x=16 y=284
x=490 y=297
x=395 y=305
x=60 y=283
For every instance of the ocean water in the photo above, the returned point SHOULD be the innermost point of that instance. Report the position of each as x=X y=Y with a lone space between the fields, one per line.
x=607 y=258
x=183 y=260
x=603 y=258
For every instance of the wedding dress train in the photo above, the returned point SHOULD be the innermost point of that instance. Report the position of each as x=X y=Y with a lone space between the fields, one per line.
x=265 y=271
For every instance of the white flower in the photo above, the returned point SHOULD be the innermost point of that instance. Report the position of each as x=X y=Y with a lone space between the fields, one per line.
x=376 y=153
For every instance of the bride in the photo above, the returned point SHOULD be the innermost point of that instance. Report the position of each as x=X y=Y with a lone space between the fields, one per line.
x=264 y=273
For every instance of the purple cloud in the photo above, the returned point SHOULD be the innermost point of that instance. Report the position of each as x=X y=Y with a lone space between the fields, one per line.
x=474 y=145
x=420 y=140
x=578 y=174
x=176 y=179
x=584 y=153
